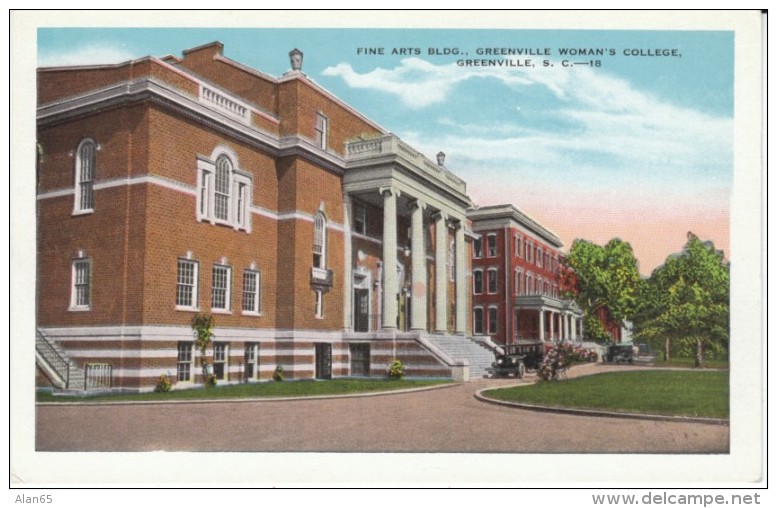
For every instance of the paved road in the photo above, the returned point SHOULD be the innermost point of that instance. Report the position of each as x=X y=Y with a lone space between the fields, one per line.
x=442 y=420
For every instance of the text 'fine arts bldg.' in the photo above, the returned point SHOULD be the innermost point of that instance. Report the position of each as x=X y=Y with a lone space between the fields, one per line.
x=320 y=242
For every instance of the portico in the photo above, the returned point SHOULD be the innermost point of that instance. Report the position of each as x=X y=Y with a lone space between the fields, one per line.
x=423 y=208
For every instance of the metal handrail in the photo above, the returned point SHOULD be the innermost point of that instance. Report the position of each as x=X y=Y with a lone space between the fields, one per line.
x=59 y=363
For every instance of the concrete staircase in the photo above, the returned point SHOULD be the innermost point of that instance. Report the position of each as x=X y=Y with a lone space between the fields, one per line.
x=460 y=347
x=64 y=373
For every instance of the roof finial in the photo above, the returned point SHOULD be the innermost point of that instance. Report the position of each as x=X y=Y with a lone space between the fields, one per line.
x=295 y=58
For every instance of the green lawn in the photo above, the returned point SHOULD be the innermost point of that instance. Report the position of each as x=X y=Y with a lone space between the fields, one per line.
x=269 y=389
x=684 y=393
x=688 y=362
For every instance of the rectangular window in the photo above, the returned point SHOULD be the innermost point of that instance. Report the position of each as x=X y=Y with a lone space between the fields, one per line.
x=220 y=293
x=185 y=361
x=493 y=286
x=477 y=282
x=251 y=366
x=478 y=321
x=477 y=247
x=319 y=304
x=322 y=130
x=359 y=220
x=186 y=291
x=493 y=322
x=252 y=291
x=220 y=358
x=517 y=246
x=80 y=297
x=491 y=246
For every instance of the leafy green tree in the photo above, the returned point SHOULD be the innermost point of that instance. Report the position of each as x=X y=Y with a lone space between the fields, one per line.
x=602 y=276
x=203 y=324
x=686 y=302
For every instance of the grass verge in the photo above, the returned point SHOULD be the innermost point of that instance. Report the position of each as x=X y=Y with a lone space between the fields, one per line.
x=269 y=389
x=680 y=393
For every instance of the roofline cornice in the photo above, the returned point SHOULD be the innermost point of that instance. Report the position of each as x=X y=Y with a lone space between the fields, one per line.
x=132 y=92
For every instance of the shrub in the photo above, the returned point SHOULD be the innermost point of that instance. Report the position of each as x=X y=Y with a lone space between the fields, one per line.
x=556 y=361
x=396 y=370
x=164 y=384
x=277 y=374
x=210 y=381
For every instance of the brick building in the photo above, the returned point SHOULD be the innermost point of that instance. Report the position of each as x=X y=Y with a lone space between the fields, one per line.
x=169 y=187
x=515 y=281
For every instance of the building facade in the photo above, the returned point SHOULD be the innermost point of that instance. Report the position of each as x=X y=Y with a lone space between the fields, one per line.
x=169 y=187
x=517 y=298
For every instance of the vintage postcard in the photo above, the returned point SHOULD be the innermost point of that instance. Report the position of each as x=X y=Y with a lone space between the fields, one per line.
x=387 y=248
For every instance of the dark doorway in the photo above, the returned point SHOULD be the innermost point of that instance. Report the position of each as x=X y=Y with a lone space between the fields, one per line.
x=360 y=359
x=361 y=310
x=323 y=361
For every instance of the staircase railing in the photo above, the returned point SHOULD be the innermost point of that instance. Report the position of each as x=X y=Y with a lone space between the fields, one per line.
x=55 y=361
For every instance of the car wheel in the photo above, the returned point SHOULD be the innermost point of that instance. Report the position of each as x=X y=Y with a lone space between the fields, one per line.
x=521 y=370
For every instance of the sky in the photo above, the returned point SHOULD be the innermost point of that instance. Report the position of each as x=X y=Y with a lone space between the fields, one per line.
x=637 y=144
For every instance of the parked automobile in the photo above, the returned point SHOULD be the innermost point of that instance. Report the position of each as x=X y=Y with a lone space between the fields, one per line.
x=619 y=353
x=511 y=363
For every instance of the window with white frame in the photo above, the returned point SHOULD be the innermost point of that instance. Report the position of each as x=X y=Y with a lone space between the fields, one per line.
x=477 y=248
x=359 y=219
x=85 y=176
x=518 y=246
x=184 y=365
x=319 y=241
x=322 y=130
x=528 y=289
x=223 y=192
x=319 y=304
x=493 y=281
x=477 y=321
x=186 y=287
x=477 y=281
x=252 y=292
x=221 y=288
x=220 y=360
x=493 y=320
x=518 y=280
x=491 y=238
x=529 y=251
x=81 y=292
x=539 y=257
x=251 y=363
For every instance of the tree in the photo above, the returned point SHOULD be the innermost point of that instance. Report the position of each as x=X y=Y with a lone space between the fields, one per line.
x=602 y=276
x=686 y=301
x=203 y=324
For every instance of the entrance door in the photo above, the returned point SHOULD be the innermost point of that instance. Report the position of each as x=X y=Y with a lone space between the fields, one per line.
x=361 y=310
x=323 y=361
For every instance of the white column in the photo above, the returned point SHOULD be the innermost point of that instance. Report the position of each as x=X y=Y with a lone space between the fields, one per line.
x=552 y=325
x=440 y=269
x=572 y=328
x=390 y=282
x=418 y=252
x=462 y=281
x=347 y=267
x=542 y=325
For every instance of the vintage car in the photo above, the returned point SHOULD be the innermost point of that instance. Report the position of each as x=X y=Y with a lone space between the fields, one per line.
x=511 y=363
x=619 y=353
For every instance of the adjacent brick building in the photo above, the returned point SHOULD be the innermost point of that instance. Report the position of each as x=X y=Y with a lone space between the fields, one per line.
x=169 y=187
x=515 y=280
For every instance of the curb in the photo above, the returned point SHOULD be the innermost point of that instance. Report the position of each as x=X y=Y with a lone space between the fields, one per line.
x=246 y=399
x=590 y=412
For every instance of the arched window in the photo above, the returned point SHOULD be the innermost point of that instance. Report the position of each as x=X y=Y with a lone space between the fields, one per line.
x=222 y=187
x=224 y=191
x=85 y=174
x=319 y=241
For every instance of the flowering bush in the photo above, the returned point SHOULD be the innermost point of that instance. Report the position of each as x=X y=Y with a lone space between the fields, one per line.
x=164 y=384
x=277 y=374
x=396 y=370
x=560 y=357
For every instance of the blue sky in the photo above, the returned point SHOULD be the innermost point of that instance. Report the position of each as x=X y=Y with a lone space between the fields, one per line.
x=640 y=147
